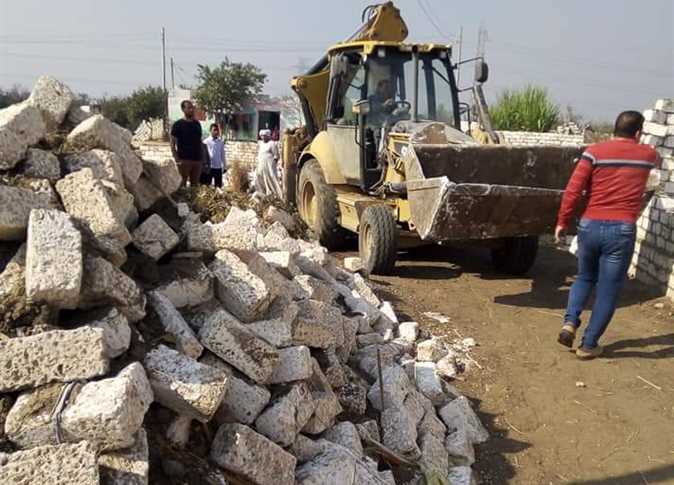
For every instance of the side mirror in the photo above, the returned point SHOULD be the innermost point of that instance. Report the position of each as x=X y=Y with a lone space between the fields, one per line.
x=362 y=107
x=481 y=71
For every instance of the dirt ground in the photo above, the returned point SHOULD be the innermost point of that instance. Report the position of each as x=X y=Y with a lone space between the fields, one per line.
x=553 y=419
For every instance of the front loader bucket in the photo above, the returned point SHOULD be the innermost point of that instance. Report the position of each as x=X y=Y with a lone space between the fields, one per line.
x=482 y=192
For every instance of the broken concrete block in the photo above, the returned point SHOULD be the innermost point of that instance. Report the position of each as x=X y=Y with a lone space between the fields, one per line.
x=351 y=327
x=190 y=283
x=294 y=365
x=104 y=284
x=447 y=366
x=154 y=237
x=333 y=465
x=276 y=283
x=414 y=403
x=234 y=343
x=41 y=164
x=655 y=116
x=15 y=207
x=287 y=414
x=242 y=292
x=129 y=466
x=428 y=382
x=243 y=401
x=409 y=331
x=174 y=324
x=431 y=350
x=53 y=99
x=276 y=332
x=331 y=367
x=366 y=357
x=274 y=214
x=25 y=121
x=431 y=424
x=459 y=414
x=399 y=431
x=184 y=385
x=122 y=203
x=316 y=289
x=77 y=114
x=145 y=192
x=459 y=447
x=164 y=174
x=241 y=450
x=282 y=261
x=366 y=339
x=54 y=356
x=105 y=413
x=305 y=449
x=665 y=104
x=461 y=475
x=99 y=132
x=369 y=430
x=396 y=387
x=116 y=330
x=327 y=404
x=87 y=200
x=12 y=149
x=318 y=325
x=54 y=465
x=54 y=263
x=104 y=164
x=353 y=264
x=353 y=394
x=433 y=454
x=345 y=434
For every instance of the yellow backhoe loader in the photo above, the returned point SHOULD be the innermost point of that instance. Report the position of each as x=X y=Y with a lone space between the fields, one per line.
x=382 y=154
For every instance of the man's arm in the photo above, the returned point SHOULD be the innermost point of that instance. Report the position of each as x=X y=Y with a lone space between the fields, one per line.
x=174 y=142
x=574 y=191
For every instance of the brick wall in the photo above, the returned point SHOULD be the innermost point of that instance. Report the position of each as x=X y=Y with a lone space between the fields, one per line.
x=242 y=151
x=530 y=138
x=653 y=261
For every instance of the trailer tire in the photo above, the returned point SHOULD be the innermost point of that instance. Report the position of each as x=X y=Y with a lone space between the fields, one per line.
x=317 y=205
x=378 y=240
x=516 y=256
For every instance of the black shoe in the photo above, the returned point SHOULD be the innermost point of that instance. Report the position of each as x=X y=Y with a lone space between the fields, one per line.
x=567 y=335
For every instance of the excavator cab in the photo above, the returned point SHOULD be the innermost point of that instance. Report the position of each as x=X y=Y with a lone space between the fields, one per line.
x=375 y=89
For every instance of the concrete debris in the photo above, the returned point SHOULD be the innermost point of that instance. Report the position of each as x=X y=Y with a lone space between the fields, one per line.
x=41 y=164
x=15 y=207
x=55 y=356
x=99 y=132
x=287 y=415
x=129 y=466
x=54 y=266
x=242 y=292
x=56 y=465
x=105 y=413
x=234 y=343
x=353 y=264
x=241 y=450
x=249 y=328
x=294 y=365
x=461 y=475
x=184 y=385
x=174 y=324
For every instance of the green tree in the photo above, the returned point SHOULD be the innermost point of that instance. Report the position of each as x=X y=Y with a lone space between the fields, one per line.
x=13 y=95
x=227 y=88
x=129 y=111
x=529 y=109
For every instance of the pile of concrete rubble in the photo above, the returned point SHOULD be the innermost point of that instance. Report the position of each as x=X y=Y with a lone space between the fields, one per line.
x=140 y=344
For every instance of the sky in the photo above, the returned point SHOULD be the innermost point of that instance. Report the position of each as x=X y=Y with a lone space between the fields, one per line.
x=599 y=57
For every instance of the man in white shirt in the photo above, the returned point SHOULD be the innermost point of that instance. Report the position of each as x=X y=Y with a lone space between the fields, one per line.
x=217 y=161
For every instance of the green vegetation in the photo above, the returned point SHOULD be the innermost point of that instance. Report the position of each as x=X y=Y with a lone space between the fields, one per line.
x=129 y=111
x=13 y=95
x=227 y=88
x=529 y=109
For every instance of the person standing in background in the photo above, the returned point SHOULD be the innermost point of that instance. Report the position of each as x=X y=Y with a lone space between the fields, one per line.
x=217 y=160
x=186 y=146
x=615 y=174
x=266 y=171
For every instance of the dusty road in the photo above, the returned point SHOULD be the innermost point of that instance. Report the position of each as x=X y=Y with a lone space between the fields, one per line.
x=618 y=429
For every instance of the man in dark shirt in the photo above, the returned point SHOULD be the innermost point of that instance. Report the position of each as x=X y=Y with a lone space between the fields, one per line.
x=186 y=145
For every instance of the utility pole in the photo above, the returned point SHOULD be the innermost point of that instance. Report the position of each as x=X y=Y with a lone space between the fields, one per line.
x=163 y=78
x=173 y=74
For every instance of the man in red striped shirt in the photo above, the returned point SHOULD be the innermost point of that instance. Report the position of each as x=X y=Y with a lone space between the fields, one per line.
x=614 y=174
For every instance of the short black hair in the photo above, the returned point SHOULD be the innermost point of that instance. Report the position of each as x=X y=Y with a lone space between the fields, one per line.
x=184 y=103
x=213 y=125
x=628 y=123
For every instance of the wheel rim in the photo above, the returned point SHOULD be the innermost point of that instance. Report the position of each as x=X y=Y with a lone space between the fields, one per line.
x=366 y=243
x=309 y=204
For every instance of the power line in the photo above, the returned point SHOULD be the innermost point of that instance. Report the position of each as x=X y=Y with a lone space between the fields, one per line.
x=430 y=18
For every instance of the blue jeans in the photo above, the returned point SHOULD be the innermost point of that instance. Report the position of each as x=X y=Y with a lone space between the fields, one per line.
x=604 y=253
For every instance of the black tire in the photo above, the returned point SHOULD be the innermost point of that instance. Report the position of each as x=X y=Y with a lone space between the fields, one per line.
x=317 y=205
x=516 y=256
x=378 y=240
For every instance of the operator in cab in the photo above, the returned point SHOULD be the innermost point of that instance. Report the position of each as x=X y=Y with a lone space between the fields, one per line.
x=382 y=102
